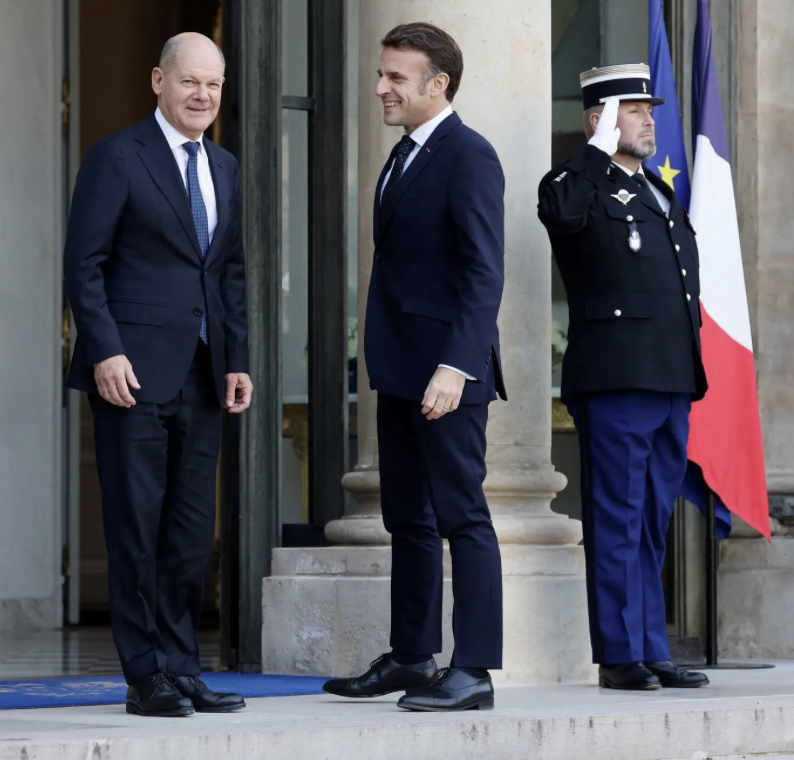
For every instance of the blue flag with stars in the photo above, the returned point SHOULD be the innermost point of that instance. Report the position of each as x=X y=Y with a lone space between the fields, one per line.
x=669 y=163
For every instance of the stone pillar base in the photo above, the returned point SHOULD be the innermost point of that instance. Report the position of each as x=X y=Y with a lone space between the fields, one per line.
x=326 y=612
x=756 y=598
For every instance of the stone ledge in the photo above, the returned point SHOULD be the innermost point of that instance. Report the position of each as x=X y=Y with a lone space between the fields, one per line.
x=748 y=713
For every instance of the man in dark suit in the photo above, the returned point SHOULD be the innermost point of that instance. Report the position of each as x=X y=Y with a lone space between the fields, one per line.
x=432 y=353
x=156 y=280
x=628 y=257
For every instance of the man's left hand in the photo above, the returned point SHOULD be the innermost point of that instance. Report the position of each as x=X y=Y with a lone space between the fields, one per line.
x=238 y=392
x=443 y=394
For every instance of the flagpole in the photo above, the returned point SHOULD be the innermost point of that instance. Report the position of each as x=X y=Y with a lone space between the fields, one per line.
x=711 y=643
x=712 y=571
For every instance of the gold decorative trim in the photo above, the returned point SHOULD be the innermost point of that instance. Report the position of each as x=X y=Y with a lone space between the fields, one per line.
x=561 y=421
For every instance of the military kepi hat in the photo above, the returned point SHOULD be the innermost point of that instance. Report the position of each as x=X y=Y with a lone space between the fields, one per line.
x=626 y=81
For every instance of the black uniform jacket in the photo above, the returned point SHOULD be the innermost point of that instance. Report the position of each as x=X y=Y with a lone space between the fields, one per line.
x=631 y=276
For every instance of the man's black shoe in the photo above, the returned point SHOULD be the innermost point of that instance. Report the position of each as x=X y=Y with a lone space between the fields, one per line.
x=385 y=676
x=672 y=677
x=205 y=700
x=453 y=689
x=156 y=696
x=633 y=676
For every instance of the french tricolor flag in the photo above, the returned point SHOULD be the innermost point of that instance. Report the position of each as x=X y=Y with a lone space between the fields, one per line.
x=725 y=446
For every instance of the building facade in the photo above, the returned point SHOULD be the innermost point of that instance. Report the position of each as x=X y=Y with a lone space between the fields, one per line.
x=298 y=486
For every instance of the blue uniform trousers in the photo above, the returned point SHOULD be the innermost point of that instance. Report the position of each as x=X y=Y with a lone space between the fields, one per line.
x=633 y=453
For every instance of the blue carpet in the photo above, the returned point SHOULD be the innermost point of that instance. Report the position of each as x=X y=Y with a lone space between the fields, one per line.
x=111 y=690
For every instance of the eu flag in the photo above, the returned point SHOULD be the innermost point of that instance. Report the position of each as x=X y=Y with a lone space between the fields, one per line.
x=669 y=163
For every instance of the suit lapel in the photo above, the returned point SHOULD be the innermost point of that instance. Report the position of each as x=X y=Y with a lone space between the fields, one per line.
x=666 y=191
x=376 y=200
x=426 y=154
x=222 y=194
x=162 y=167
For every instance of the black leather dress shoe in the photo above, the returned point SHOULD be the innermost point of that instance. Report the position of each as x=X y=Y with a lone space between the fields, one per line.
x=633 y=676
x=676 y=678
x=385 y=676
x=204 y=699
x=453 y=689
x=156 y=696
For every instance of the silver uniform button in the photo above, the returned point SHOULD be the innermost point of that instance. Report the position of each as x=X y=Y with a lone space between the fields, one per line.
x=683 y=272
x=688 y=297
x=618 y=312
x=629 y=218
x=672 y=224
x=677 y=247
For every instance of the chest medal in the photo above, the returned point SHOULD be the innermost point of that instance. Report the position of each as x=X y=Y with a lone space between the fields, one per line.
x=635 y=242
x=624 y=196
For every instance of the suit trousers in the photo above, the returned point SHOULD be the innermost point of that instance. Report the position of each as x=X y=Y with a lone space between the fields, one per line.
x=431 y=476
x=157 y=465
x=633 y=454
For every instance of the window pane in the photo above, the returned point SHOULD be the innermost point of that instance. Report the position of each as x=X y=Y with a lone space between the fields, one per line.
x=352 y=191
x=295 y=311
x=295 y=47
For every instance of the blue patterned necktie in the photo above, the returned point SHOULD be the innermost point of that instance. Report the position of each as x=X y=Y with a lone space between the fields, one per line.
x=199 y=211
x=401 y=153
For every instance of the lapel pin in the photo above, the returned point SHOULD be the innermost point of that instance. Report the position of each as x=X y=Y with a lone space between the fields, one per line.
x=624 y=196
x=427 y=149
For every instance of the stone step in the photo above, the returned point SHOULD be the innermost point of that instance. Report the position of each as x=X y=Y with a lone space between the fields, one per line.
x=740 y=713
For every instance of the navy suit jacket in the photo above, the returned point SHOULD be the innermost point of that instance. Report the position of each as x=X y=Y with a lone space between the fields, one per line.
x=134 y=274
x=438 y=269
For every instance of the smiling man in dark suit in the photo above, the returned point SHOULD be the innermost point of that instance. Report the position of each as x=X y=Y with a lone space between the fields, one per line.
x=432 y=354
x=155 y=275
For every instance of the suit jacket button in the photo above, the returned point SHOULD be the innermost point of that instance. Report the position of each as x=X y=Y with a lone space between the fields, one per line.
x=198 y=312
x=683 y=272
x=618 y=312
x=688 y=297
x=677 y=247
x=672 y=224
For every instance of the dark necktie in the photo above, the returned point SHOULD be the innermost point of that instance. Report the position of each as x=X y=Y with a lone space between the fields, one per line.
x=401 y=152
x=199 y=211
x=645 y=191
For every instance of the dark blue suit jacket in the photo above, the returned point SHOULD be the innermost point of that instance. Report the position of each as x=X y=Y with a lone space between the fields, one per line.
x=133 y=269
x=438 y=269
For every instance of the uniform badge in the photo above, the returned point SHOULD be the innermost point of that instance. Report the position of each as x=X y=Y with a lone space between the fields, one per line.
x=635 y=242
x=624 y=196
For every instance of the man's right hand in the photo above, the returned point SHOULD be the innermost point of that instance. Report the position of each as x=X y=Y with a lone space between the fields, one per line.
x=114 y=378
x=607 y=134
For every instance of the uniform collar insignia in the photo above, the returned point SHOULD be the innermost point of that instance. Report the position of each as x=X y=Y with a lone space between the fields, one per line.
x=624 y=196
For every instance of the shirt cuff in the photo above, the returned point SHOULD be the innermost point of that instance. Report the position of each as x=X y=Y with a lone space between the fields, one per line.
x=455 y=369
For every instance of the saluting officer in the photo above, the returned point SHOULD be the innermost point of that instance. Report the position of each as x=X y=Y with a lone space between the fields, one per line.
x=628 y=257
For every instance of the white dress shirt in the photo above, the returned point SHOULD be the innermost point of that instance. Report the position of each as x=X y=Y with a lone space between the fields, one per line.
x=420 y=136
x=175 y=141
x=663 y=202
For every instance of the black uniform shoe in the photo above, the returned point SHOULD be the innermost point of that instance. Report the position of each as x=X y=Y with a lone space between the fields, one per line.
x=676 y=678
x=205 y=700
x=385 y=676
x=633 y=676
x=454 y=689
x=156 y=696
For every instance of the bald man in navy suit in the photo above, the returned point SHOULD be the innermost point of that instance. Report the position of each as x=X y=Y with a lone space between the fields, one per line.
x=155 y=275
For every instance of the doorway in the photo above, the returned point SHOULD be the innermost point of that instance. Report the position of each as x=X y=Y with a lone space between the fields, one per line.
x=112 y=49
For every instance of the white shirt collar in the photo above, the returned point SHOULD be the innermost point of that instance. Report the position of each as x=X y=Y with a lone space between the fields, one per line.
x=422 y=134
x=629 y=171
x=174 y=137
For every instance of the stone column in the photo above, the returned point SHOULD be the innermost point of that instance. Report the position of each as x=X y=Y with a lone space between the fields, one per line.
x=505 y=95
x=756 y=602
